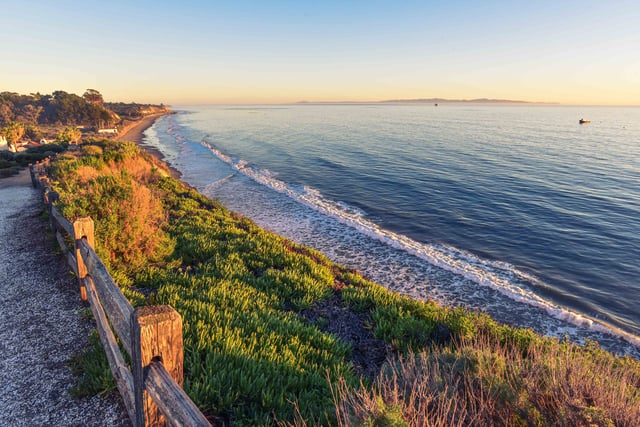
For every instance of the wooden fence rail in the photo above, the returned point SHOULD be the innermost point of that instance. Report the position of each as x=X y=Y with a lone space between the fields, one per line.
x=151 y=386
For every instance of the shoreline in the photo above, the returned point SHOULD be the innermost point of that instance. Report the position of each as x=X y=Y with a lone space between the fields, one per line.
x=134 y=132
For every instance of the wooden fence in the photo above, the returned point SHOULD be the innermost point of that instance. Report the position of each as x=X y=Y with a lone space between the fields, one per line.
x=151 y=386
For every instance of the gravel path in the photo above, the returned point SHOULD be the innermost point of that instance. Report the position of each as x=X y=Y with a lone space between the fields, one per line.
x=40 y=328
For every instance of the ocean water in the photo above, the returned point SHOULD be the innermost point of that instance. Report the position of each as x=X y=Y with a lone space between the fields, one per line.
x=517 y=211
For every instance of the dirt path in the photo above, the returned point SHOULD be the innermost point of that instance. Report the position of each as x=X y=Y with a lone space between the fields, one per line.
x=40 y=328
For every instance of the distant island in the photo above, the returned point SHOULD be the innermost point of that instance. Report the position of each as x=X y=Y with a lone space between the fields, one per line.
x=460 y=101
x=438 y=101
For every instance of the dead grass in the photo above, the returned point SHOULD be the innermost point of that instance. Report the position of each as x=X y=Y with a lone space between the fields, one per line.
x=84 y=174
x=128 y=215
x=484 y=383
x=139 y=168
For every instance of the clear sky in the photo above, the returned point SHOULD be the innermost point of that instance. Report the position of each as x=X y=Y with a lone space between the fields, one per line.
x=574 y=52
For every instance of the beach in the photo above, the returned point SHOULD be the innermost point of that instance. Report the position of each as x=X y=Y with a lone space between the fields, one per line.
x=134 y=131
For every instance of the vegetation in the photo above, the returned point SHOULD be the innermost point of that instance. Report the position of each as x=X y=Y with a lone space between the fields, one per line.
x=60 y=108
x=13 y=163
x=70 y=135
x=92 y=96
x=135 y=111
x=23 y=118
x=275 y=333
x=92 y=370
x=13 y=131
x=485 y=382
x=66 y=109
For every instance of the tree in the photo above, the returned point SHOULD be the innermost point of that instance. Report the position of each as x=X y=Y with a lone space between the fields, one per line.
x=14 y=131
x=6 y=112
x=32 y=132
x=94 y=97
x=71 y=135
x=29 y=114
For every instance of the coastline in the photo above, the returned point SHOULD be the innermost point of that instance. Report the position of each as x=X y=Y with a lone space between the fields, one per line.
x=346 y=314
x=134 y=132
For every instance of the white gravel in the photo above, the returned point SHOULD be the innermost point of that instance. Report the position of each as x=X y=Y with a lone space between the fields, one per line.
x=40 y=325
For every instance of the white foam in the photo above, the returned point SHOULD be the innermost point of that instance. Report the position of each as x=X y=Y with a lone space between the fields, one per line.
x=218 y=182
x=500 y=276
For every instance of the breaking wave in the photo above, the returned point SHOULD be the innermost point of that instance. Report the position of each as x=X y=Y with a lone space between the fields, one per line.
x=500 y=276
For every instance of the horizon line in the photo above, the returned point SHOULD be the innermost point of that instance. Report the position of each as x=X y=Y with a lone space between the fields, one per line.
x=404 y=102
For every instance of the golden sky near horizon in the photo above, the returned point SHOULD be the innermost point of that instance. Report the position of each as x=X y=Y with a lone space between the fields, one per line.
x=252 y=52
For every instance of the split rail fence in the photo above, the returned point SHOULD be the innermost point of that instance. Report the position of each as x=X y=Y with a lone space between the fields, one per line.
x=151 y=386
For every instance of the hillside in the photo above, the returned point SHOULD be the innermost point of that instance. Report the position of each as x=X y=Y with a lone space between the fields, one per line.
x=135 y=111
x=62 y=118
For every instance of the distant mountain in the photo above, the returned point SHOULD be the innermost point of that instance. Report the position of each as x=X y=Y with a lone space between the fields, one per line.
x=458 y=101
x=435 y=101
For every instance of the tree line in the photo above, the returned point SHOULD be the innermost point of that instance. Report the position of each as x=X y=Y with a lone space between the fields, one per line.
x=59 y=108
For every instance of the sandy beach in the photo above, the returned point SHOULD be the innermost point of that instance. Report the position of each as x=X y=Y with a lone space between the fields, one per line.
x=134 y=131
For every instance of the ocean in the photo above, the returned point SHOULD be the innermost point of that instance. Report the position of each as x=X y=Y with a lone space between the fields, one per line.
x=517 y=211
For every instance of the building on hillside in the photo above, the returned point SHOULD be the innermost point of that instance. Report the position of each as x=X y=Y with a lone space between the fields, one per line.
x=4 y=146
x=109 y=130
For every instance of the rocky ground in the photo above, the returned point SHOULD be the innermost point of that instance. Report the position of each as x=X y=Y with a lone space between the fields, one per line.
x=40 y=325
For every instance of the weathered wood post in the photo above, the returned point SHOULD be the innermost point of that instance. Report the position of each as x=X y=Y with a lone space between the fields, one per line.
x=82 y=227
x=50 y=197
x=156 y=333
x=43 y=182
x=32 y=172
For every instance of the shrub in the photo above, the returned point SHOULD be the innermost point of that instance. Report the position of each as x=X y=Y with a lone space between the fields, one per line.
x=71 y=135
x=484 y=382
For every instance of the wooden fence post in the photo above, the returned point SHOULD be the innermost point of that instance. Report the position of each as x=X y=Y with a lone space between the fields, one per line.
x=50 y=198
x=156 y=333
x=44 y=183
x=82 y=227
x=32 y=172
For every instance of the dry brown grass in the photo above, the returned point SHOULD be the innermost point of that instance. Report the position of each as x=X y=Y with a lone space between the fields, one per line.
x=137 y=167
x=484 y=383
x=140 y=218
x=84 y=174
x=129 y=216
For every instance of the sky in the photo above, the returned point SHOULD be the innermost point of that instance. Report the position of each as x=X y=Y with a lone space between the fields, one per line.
x=195 y=52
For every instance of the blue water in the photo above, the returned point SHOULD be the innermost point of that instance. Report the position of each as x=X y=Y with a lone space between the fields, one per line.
x=517 y=211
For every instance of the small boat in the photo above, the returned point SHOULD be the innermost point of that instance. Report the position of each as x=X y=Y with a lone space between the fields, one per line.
x=583 y=121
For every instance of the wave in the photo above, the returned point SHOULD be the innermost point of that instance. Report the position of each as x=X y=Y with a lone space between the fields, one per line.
x=218 y=182
x=500 y=276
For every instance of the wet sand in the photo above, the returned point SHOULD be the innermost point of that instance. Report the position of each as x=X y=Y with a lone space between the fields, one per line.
x=134 y=131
